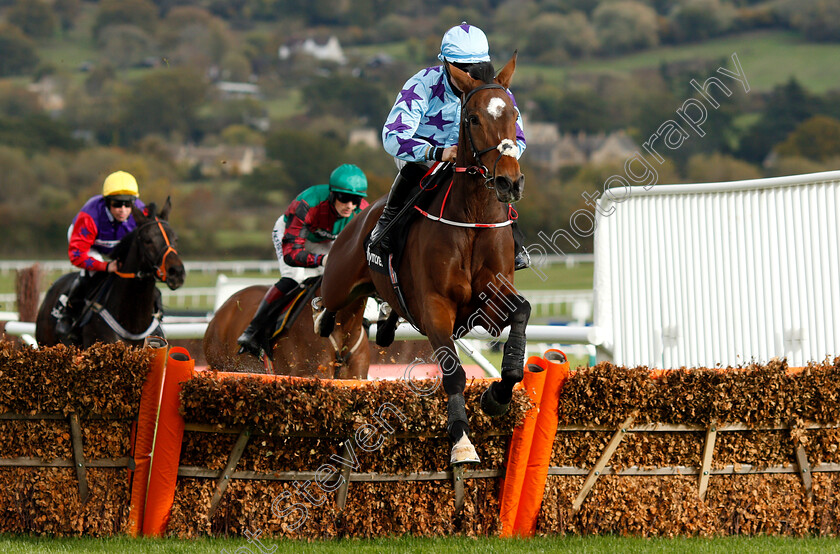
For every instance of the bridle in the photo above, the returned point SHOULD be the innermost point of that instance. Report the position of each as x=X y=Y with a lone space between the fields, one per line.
x=160 y=268
x=479 y=168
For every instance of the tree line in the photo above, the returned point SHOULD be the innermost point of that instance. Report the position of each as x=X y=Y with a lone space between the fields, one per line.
x=151 y=85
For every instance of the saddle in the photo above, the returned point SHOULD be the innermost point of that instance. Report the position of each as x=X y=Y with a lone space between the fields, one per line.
x=302 y=296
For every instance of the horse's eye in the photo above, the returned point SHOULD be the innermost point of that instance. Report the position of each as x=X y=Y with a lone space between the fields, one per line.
x=472 y=119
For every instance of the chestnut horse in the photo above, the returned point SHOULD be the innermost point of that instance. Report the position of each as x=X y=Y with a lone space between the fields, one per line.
x=457 y=267
x=298 y=351
x=126 y=311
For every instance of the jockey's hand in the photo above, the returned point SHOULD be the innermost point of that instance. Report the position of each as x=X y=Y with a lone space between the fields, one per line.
x=449 y=153
x=112 y=266
x=324 y=260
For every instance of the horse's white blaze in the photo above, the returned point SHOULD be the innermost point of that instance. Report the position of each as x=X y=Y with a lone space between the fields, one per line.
x=495 y=107
x=508 y=148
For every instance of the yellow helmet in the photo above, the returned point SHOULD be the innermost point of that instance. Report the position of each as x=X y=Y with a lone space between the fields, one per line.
x=120 y=183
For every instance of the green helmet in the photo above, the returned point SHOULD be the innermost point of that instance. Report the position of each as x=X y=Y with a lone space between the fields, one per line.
x=350 y=179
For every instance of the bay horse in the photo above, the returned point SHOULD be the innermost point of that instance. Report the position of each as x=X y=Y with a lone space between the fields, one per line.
x=299 y=351
x=457 y=267
x=126 y=310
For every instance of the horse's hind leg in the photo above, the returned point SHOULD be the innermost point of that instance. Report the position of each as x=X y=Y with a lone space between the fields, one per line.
x=496 y=399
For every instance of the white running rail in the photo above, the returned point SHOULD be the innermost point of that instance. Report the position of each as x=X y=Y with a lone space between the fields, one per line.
x=720 y=273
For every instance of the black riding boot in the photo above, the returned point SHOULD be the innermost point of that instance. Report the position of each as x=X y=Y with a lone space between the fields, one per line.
x=406 y=179
x=68 y=307
x=522 y=259
x=273 y=301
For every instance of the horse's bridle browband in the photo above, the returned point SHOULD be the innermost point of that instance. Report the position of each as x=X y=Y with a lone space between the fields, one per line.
x=160 y=269
x=479 y=167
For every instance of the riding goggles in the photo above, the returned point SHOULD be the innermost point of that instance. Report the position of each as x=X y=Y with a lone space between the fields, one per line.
x=344 y=198
x=121 y=203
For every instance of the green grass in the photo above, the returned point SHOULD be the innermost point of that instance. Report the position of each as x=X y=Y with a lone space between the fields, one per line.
x=555 y=277
x=287 y=105
x=559 y=277
x=231 y=239
x=397 y=50
x=72 y=48
x=768 y=58
x=572 y=544
x=67 y=55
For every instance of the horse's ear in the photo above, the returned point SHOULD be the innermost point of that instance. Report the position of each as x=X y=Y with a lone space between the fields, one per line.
x=164 y=212
x=506 y=74
x=462 y=79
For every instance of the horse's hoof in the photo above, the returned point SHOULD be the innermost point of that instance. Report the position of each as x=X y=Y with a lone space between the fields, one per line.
x=490 y=406
x=463 y=452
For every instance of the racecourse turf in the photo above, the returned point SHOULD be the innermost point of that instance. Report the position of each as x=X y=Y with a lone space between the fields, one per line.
x=572 y=544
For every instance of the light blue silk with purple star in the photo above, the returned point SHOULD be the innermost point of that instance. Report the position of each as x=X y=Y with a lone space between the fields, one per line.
x=425 y=116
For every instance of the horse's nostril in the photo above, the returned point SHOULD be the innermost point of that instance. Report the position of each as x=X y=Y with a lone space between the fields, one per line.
x=175 y=276
x=503 y=184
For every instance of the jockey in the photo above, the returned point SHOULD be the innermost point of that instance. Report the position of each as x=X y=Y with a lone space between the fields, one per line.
x=102 y=222
x=423 y=124
x=302 y=238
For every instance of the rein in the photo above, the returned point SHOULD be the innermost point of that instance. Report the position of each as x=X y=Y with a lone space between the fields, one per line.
x=160 y=269
x=478 y=169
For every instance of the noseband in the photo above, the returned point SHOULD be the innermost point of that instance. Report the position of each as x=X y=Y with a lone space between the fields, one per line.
x=479 y=167
x=160 y=268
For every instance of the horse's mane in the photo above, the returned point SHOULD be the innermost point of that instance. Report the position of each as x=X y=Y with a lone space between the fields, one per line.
x=483 y=71
x=120 y=251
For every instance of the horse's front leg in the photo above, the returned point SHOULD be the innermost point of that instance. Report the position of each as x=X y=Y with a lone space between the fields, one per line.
x=496 y=399
x=440 y=323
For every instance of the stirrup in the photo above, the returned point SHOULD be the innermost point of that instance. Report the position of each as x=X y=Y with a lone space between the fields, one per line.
x=248 y=350
x=248 y=345
x=60 y=309
x=522 y=260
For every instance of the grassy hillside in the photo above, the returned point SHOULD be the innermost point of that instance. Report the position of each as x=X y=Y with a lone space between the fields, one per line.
x=767 y=57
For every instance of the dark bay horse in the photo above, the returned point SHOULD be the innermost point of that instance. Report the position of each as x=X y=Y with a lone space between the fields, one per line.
x=299 y=351
x=127 y=313
x=457 y=273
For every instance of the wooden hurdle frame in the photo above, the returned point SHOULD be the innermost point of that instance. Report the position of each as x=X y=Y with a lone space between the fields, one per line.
x=705 y=471
x=78 y=462
x=224 y=476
